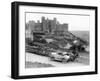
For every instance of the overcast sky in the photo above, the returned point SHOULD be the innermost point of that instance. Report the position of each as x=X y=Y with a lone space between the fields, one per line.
x=75 y=22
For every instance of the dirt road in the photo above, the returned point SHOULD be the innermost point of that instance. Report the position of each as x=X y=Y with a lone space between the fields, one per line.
x=30 y=57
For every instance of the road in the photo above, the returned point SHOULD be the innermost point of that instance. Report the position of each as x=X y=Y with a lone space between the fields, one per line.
x=31 y=57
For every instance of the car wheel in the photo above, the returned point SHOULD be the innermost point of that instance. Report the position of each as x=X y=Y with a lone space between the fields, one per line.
x=73 y=60
x=64 y=60
x=52 y=58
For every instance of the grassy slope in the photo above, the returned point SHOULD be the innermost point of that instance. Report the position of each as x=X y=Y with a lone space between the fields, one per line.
x=82 y=34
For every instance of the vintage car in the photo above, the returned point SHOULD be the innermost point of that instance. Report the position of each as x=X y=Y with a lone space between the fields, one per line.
x=63 y=56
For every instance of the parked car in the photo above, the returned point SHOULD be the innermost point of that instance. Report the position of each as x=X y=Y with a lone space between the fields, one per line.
x=62 y=56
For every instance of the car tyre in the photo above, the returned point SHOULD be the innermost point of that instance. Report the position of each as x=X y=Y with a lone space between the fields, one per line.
x=52 y=58
x=64 y=61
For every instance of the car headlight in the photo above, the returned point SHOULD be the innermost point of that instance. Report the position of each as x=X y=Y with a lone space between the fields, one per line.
x=67 y=57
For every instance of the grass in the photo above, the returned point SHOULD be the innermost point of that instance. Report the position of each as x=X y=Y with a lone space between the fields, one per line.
x=84 y=58
x=81 y=34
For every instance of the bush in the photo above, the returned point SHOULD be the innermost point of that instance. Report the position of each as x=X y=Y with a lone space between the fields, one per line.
x=29 y=41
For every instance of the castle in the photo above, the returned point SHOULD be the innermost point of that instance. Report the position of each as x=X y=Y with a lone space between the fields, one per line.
x=47 y=26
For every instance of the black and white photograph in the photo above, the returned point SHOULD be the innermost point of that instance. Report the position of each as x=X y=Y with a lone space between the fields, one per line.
x=56 y=40
x=51 y=40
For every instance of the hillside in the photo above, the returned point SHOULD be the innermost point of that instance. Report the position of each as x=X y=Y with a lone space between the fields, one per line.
x=81 y=34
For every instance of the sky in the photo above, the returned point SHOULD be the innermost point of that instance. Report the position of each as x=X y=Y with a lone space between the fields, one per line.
x=75 y=22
